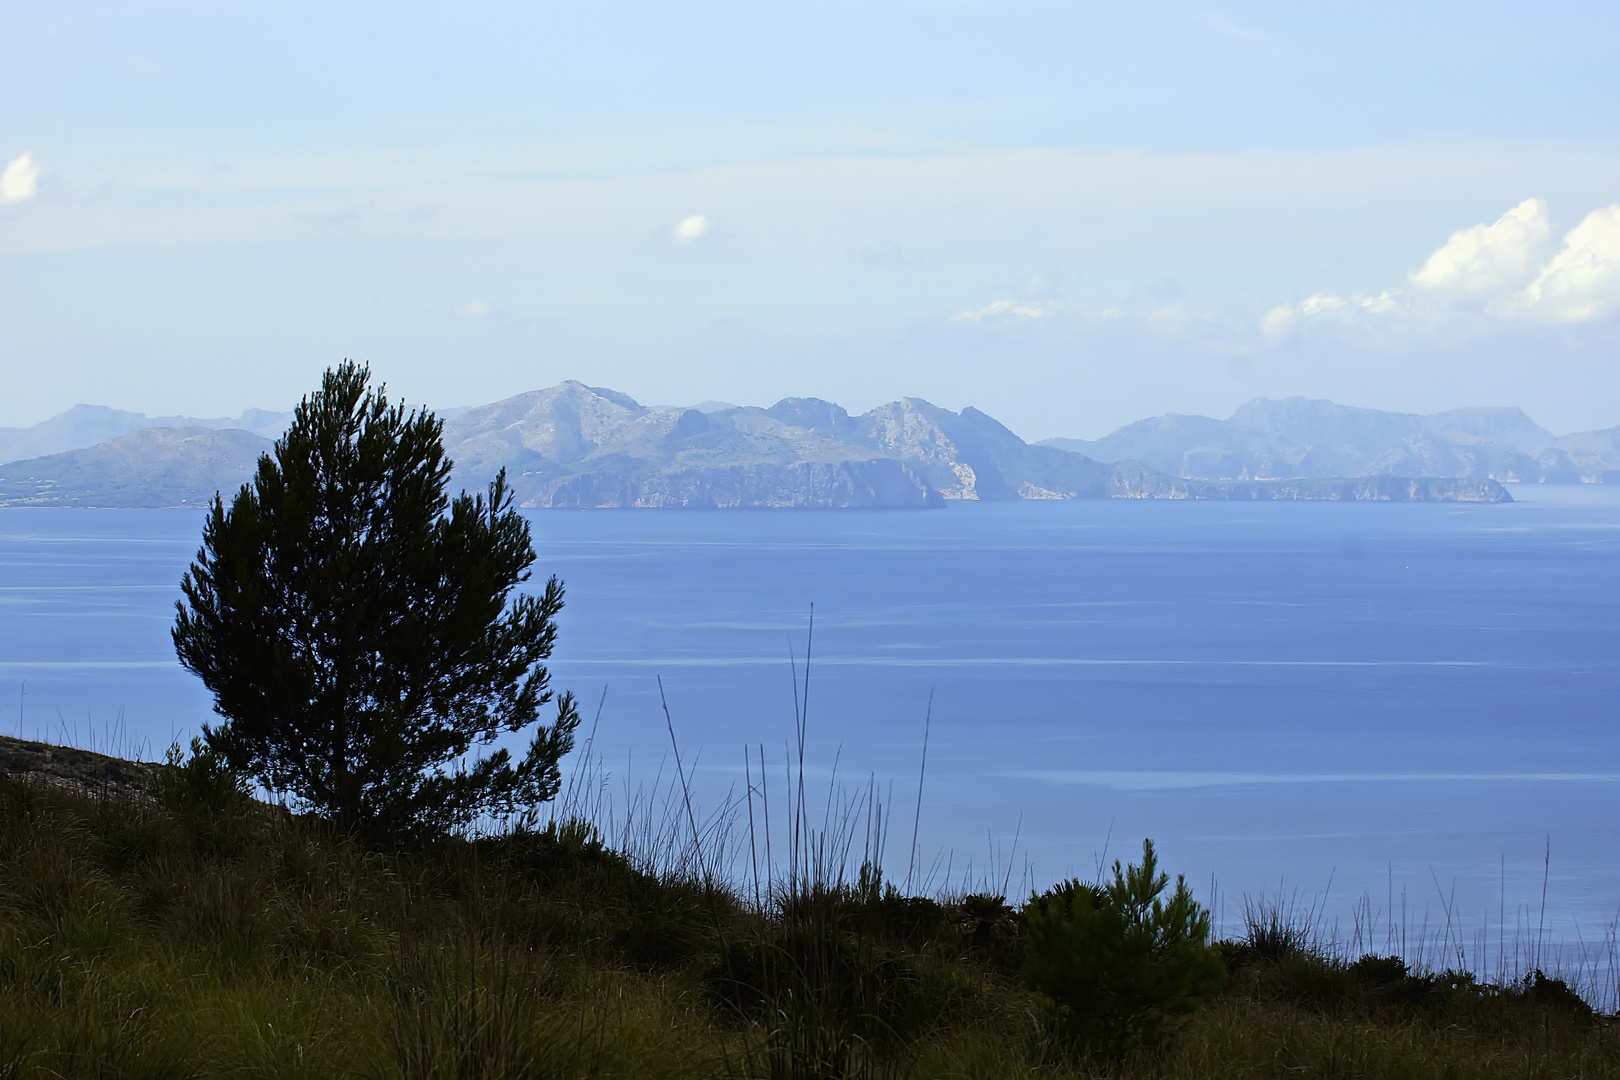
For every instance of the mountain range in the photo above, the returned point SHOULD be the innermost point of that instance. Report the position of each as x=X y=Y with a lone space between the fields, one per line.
x=1300 y=437
x=87 y=425
x=578 y=446
x=147 y=467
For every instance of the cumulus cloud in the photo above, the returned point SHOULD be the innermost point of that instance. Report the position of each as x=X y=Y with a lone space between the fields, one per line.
x=476 y=309
x=1582 y=282
x=1486 y=261
x=19 y=180
x=1008 y=309
x=690 y=228
x=1500 y=270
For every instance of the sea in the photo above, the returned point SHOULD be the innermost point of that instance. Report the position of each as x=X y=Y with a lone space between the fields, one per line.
x=1399 y=722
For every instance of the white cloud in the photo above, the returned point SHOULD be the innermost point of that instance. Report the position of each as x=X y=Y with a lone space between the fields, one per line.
x=1496 y=269
x=1008 y=309
x=692 y=227
x=1582 y=282
x=1485 y=261
x=1325 y=304
x=476 y=309
x=1280 y=321
x=19 y=180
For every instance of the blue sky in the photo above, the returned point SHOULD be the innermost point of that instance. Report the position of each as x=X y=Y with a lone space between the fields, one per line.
x=1070 y=215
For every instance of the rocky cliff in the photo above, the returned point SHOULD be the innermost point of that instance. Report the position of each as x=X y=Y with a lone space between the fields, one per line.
x=575 y=445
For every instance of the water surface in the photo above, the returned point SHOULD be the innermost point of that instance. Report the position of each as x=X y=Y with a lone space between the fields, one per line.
x=1345 y=699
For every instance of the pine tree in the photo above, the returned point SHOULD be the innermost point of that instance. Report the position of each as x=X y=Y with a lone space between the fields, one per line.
x=365 y=637
x=1121 y=959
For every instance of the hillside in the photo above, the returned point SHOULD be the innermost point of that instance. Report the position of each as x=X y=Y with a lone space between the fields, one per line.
x=87 y=425
x=151 y=467
x=152 y=925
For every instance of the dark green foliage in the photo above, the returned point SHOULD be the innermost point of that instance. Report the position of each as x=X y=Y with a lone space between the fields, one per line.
x=1120 y=958
x=1386 y=989
x=1551 y=993
x=1275 y=929
x=632 y=918
x=991 y=929
x=821 y=973
x=834 y=1002
x=845 y=981
x=1379 y=970
x=138 y=940
x=879 y=910
x=203 y=782
x=562 y=851
x=361 y=632
x=465 y=1014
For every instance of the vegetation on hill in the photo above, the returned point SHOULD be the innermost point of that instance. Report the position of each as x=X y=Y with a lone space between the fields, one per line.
x=173 y=927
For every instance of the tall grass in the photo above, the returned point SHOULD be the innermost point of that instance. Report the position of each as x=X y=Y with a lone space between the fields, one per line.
x=140 y=937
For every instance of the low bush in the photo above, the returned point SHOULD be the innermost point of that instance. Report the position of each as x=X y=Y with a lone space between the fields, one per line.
x=826 y=986
x=1120 y=959
x=881 y=911
x=990 y=930
x=204 y=782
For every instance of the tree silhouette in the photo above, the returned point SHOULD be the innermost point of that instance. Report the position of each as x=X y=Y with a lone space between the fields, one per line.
x=364 y=637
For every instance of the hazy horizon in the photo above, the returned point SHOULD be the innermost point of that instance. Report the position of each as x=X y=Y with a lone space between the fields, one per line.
x=711 y=404
x=1069 y=216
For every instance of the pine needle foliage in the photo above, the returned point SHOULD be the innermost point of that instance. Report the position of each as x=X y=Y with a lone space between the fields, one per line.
x=1120 y=958
x=364 y=635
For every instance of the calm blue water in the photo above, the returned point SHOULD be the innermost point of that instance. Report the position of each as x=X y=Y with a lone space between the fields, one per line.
x=1339 y=699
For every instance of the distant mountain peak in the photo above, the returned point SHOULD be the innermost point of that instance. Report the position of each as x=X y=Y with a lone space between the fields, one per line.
x=88 y=425
x=574 y=445
x=813 y=414
x=1301 y=437
x=611 y=395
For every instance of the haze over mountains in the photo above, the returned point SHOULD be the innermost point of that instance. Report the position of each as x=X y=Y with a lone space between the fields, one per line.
x=1299 y=437
x=87 y=425
x=149 y=467
x=578 y=446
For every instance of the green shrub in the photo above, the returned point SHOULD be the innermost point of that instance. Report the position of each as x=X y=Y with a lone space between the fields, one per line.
x=1119 y=959
x=1276 y=929
x=828 y=983
x=989 y=930
x=202 y=782
x=1554 y=994
x=879 y=910
x=1379 y=970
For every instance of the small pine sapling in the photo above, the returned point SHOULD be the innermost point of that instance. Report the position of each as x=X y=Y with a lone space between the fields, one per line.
x=1120 y=959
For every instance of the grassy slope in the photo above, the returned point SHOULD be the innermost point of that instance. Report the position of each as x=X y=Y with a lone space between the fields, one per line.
x=142 y=936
